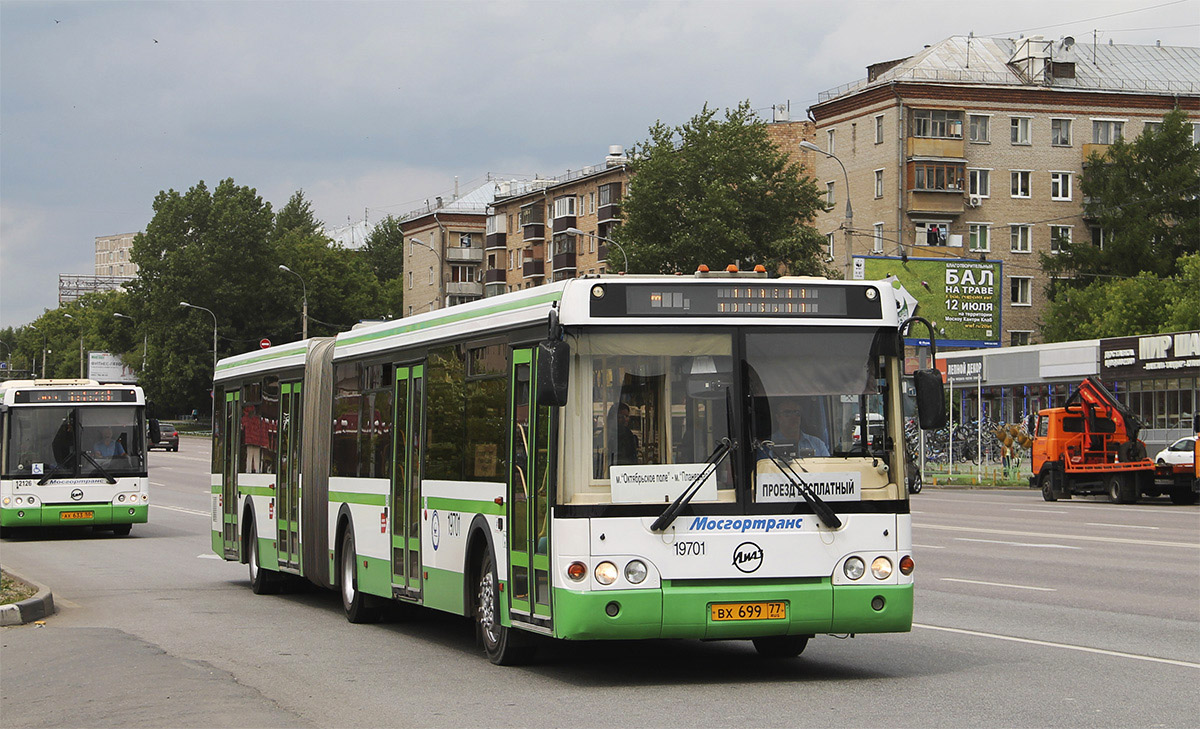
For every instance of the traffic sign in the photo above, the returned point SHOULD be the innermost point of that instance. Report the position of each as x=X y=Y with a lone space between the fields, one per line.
x=264 y=343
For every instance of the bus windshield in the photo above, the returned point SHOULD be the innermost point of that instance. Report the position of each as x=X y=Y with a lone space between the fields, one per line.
x=660 y=404
x=69 y=442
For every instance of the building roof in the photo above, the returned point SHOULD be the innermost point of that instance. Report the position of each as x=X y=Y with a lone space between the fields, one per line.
x=473 y=202
x=1006 y=62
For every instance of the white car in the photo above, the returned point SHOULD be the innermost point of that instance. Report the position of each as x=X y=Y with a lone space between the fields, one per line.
x=1181 y=452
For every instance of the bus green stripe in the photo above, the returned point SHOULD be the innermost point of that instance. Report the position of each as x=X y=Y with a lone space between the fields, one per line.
x=264 y=357
x=465 y=505
x=256 y=491
x=352 y=498
x=452 y=318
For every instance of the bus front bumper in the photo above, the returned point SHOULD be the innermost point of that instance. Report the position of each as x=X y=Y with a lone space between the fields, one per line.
x=686 y=610
x=73 y=515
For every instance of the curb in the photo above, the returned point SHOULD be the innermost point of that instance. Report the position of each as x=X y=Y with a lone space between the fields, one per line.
x=30 y=609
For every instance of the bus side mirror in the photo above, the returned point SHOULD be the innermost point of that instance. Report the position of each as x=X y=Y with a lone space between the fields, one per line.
x=155 y=431
x=931 y=399
x=553 y=373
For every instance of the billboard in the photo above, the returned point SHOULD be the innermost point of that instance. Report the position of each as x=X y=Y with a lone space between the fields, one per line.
x=106 y=367
x=960 y=297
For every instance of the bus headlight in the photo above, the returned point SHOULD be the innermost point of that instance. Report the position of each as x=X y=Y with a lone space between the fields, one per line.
x=635 y=571
x=881 y=568
x=7 y=501
x=854 y=568
x=606 y=573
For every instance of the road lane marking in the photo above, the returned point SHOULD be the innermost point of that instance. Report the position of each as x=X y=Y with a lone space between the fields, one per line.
x=181 y=510
x=999 y=584
x=1066 y=646
x=209 y=555
x=1080 y=537
x=1015 y=544
x=1122 y=526
x=927 y=546
x=1042 y=511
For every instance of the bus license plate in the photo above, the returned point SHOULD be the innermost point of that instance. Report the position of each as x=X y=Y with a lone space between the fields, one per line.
x=775 y=610
x=77 y=515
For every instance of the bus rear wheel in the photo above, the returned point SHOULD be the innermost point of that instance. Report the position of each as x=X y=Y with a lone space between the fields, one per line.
x=262 y=582
x=781 y=646
x=359 y=608
x=503 y=646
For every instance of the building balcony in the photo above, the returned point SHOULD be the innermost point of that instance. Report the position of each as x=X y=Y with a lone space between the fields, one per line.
x=534 y=231
x=608 y=213
x=943 y=202
x=494 y=289
x=564 y=262
x=495 y=240
x=464 y=289
x=533 y=269
x=561 y=224
x=464 y=255
x=931 y=147
x=495 y=275
x=1097 y=149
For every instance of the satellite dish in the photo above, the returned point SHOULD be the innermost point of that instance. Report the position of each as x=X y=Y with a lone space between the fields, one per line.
x=1068 y=42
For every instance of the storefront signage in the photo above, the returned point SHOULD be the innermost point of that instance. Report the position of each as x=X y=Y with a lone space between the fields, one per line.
x=1150 y=355
x=966 y=369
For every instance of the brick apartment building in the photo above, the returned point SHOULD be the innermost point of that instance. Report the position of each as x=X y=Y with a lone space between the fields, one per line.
x=443 y=254
x=973 y=148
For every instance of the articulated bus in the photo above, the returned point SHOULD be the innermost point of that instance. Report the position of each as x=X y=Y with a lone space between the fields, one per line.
x=607 y=457
x=74 y=454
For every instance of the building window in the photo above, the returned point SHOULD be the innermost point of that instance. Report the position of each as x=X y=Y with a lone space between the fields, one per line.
x=980 y=182
x=410 y=279
x=1060 y=185
x=937 y=123
x=1021 y=289
x=592 y=202
x=1196 y=134
x=564 y=207
x=1060 y=238
x=431 y=274
x=933 y=234
x=980 y=129
x=1020 y=183
x=829 y=141
x=829 y=238
x=879 y=129
x=1020 y=236
x=1020 y=130
x=1018 y=338
x=878 y=184
x=1100 y=237
x=829 y=197
x=1106 y=131
x=980 y=237
x=938 y=176
x=877 y=238
x=463 y=274
x=1060 y=132
x=464 y=240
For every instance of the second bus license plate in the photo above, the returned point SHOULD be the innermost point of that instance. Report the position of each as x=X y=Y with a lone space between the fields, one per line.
x=773 y=610
x=77 y=515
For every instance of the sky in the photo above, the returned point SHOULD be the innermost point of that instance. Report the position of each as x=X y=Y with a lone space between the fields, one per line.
x=373 y=108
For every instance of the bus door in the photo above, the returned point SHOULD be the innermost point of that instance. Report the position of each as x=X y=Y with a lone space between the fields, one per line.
x=528 y=498
x=287 y=487
x=405 y=501
x=229 y=487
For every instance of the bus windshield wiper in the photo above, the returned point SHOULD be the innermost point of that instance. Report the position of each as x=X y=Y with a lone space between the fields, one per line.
x=99 y=468
x=819 y=507
x=53 y=472
x=711 y=464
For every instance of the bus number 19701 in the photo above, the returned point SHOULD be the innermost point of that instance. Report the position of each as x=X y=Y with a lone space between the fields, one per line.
x=689 y=549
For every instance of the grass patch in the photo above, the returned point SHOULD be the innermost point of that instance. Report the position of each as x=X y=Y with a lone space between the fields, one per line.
x=13 y=590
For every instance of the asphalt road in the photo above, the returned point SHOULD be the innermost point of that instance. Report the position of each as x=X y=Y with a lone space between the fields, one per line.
x=1077 y=613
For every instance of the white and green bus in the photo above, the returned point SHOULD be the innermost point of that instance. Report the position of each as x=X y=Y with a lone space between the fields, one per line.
x=600 y=458
x=74 y=454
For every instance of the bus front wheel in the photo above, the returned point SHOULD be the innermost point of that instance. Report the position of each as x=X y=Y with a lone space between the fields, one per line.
x=503 y=646
x=262 y=582
x=121 y=530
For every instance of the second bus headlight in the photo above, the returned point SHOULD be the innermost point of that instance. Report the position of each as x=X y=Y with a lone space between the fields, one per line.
x=606 y=573
x=854 y=568
x=635 y=572
x=881 y=568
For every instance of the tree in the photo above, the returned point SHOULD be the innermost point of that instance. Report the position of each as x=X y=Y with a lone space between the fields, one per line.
x=1143 y=304
x=297 y=216
x=1142 y=195
x=384 y=255
x=714 y=192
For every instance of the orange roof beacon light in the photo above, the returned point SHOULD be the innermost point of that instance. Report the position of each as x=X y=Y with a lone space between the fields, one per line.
x=760 y=268
x=732 y=268
x=702 y=268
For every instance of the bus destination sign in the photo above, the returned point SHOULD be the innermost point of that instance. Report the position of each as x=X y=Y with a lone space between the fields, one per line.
x=91 y=395
x=761 y=299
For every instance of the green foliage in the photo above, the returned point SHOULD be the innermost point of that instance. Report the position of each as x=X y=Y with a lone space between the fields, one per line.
x=714 y=192
x=1143 y=304
x=297 y=217
x=1142 y=193
x=384 y=254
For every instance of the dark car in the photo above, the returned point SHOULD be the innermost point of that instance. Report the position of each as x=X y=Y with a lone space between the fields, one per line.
x=168 y=437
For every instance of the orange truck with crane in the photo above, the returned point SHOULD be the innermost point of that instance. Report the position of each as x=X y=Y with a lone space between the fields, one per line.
x=1090 y=446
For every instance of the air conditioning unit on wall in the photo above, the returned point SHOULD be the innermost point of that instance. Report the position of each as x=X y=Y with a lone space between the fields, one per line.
x=974 y=201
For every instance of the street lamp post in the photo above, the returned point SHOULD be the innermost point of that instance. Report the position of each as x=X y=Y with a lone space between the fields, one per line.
x=214 y=316
x=34 y=326
x=441 y=274
x=304 y=313
x=849 y=224
x=130 y=318
x=577 y=231
x=68 y=316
